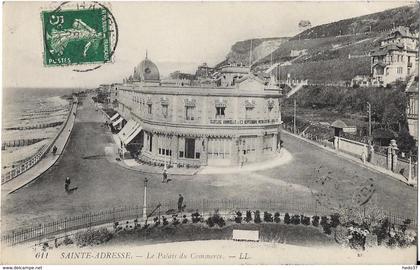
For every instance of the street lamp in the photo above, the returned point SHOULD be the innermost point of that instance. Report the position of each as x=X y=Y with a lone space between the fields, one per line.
x=145 y=200
x=294 y=116
x=370 y=120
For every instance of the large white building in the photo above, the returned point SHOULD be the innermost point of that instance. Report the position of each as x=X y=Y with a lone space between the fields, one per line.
x=198 y=125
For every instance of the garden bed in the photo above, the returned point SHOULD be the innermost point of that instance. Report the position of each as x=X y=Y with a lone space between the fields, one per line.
x=279 y=233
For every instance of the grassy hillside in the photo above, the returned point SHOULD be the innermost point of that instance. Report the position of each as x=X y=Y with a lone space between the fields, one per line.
x=327 y=71
x=376 y=22
x=333 y=56
x=327 y=59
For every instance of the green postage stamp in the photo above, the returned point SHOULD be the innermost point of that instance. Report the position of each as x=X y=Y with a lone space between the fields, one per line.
x=81 y=36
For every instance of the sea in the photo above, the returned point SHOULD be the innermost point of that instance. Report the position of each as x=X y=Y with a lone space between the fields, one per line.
x=31 y=117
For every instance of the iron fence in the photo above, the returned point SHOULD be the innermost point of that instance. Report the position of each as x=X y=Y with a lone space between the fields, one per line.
x=227 y=208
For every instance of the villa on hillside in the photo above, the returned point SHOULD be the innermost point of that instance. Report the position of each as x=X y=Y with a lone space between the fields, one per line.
x=395 y=58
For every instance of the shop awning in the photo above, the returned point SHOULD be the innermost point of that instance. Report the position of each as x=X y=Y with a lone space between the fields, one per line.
x=119 y=120
x=127 y=130
x=136 y=131
x=114 y=116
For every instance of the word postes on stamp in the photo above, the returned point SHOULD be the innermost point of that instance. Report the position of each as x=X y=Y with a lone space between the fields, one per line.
x=73 y=37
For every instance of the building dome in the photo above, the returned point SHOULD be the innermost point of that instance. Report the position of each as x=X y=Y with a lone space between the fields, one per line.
x=146 y=71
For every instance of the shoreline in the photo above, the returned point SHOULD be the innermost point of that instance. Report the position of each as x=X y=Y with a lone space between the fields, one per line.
x=34 y=129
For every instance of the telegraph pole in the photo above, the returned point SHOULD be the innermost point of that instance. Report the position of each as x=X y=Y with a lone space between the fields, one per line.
x=294 y=116
x=145 y=200
x=370 y=120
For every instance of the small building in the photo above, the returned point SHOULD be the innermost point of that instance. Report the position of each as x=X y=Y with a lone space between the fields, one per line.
x=295 y=53
x=228 y=74
x=204 y=71
x=338 y=126
x=361 y=81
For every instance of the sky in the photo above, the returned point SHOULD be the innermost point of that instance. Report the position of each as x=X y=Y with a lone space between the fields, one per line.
x=177 y=35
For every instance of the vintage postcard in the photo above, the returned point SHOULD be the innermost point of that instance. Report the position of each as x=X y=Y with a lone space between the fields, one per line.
x=143 y=133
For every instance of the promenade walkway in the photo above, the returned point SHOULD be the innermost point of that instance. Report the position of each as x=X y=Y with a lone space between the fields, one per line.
x=46 y=162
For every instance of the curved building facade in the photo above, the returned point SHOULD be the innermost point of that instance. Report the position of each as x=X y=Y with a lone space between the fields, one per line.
x=199 y=126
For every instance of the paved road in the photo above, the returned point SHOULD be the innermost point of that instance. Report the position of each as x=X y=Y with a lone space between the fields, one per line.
x=103 y=184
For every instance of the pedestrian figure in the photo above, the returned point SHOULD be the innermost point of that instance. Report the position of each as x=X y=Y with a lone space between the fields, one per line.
x=67 y=184
x=364 y=157
x=164 y=176
x=180 y=202
x=54 y=150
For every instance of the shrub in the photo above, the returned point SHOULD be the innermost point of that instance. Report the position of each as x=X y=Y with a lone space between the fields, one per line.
x=326 y=228
x=277 y=217
x=295 y=220
x=382 y=230
x=324 y=220
x=195 y=217
x=210 y=222
x=156 y=221
x=248 y=217
x=357 y=240
x=175 y=221
x=116 y=227
x=315 y=221
x=238 y=218
x=184 y=220
x=405 y=225
x=268 y=217
x=257 y=218
x=306 y=220
x=67 y=240
x=216 y=219
x=221 y=222
x=335 y=220
x=164 y=221
x=93 y=237
x=287 y=218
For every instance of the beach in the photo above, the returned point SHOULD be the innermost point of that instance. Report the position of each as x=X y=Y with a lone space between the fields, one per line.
x=31 y=120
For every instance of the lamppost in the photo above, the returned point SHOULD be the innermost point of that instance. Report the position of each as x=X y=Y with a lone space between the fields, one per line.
x=294 y=116
x=370 y=120
x=145 y=200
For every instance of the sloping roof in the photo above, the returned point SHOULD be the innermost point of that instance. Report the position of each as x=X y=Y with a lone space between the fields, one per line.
x=387 y=48
x=403 y=31
x=380 y=63
x=338 y=124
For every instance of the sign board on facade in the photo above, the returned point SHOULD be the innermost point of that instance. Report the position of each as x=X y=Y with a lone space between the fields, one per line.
x=242 y=122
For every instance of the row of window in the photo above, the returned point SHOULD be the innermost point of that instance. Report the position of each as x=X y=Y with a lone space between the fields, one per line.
x=220 y=111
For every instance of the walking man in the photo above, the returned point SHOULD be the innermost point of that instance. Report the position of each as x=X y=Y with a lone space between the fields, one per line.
x=54 y=150
x=180 y=202
x=67 y=184
x=164 y=176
